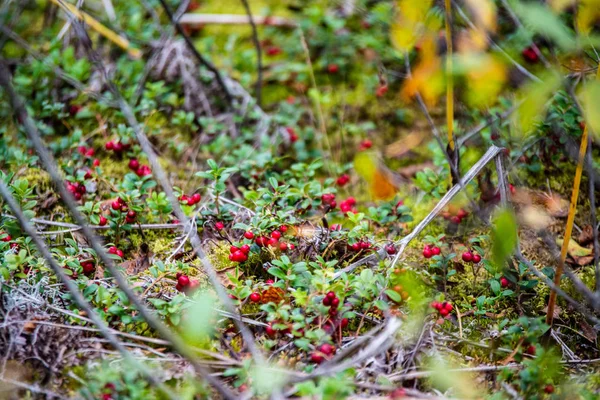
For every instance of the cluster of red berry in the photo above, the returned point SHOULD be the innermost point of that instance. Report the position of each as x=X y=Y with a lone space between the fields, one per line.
x=273 y=240
x=116 y=251
x=109 y=390
x=293 y=136
x=365 y=144
x=358 y=246
x=88 y=152
x=456 y=218
x=429 y=251
x=239 y=254
x=140 y=170
x=348 y=205
x=117 y=147
x=342 y=180
x=190 y=200
x=323 y=352
x=6 y=238
x=332 y=301
x=77 y=189
x=328 y=199
x=120 y=205
x=443 y=308
x=469 y=256
x=185 y=284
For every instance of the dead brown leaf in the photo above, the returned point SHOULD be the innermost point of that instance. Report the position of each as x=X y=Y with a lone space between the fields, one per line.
x=403 y=146
x=586 y=236
x=223 y=275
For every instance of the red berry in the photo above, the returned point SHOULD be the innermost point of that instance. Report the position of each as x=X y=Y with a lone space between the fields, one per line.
x=195 y=198
x=436 y=251
x=467 y=256
x=397 y=394
x=444 y=312
x=112 y=250
x=116 y=205
x=90 y=152
x=283 y=228
x=183 y=280
x=462 y=213
x=355 y=246
x=335 y=302
x=134 y=164
x=390 y=249
x=448 y=306
x=455 y=219
x=120 y=253
x=343 y=180
x=333 y=68
x=530 y=350
x=272 y=242
x=239 y=256
x=88 y=267
x=233 y=249
x=245 y=249
x=381 y=91
x=261 y=241
x=248 y=235
x=276 y=234
x=504 y=282
x=103 y=221
x=549 y=389
x=270 y=331
x=269 y=281
x=96 y=162
x=365 y=144
x=344 y=322
x=219 y=225
x=326 y=301
x=283 y=246
x=327 y=349
x=291 y=246
x=317 y=358
x=131 y=214
x=331 y=295
x=436 y=304
x=109 y=145
x=118 y=147
x=476 y=258
x=255 y=297
x=427 y=252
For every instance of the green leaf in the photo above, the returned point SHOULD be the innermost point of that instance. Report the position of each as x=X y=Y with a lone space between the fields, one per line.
x=395 y=296
x=542 y=20
x=495 y=285
x=504 y=237
x=277 y=272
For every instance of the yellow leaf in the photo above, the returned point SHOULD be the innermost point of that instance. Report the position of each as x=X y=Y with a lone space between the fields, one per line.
x=591 y=106
x=379 y=178
x=427 y=76
x=485 y=79
x=484 y=13
x=409 y=23
x=588 y=13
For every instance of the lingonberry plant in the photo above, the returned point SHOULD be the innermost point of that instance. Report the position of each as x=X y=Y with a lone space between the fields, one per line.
x=304 y=208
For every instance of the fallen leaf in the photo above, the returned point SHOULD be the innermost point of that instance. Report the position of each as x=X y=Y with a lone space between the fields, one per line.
x=224 y=274
x=403 y=146
x=272 y=294
x=586 y=236
x=588 y=331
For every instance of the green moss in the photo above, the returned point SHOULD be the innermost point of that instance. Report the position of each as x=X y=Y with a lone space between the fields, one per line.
x=38 y=179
